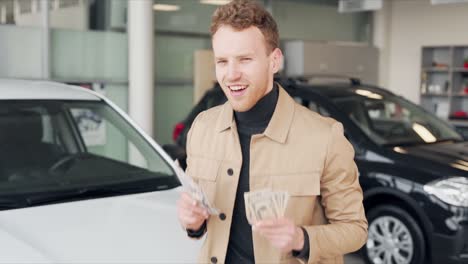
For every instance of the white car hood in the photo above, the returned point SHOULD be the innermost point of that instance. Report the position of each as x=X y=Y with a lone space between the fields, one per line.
x=140 y=228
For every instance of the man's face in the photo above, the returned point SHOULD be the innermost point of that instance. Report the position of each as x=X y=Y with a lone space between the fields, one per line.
x=243 y=66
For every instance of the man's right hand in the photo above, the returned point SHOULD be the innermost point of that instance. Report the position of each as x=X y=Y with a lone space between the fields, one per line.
x=191 y=214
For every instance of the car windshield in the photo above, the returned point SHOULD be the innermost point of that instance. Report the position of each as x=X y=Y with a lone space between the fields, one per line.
x=55 y=149
x=391 y=120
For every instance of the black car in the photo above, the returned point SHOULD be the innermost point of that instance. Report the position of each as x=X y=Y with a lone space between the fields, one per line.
x=413 y=168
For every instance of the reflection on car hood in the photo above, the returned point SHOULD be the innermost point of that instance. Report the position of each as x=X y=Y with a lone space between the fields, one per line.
x=141 y=228
x=17 y=250
x=448 y=153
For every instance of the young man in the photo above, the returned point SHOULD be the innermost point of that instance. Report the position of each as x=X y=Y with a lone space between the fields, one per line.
x=262 y=139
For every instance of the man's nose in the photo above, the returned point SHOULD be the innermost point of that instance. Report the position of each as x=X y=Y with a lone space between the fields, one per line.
x=233 y=72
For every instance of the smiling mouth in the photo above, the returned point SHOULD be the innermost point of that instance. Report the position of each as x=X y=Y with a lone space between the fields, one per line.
x=237 y=88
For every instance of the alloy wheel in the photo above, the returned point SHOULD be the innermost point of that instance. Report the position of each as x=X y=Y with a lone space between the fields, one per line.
x=389 y=241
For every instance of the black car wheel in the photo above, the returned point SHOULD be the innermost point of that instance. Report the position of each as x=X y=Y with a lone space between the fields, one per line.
x=394 y=237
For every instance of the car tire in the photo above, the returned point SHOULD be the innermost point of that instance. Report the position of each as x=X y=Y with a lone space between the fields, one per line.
x=394 y=237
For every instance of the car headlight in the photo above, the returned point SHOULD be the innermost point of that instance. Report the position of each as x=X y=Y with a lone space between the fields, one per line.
x=453 y=191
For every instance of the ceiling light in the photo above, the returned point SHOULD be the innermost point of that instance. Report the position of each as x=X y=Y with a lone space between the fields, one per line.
x=164 y=7
x=438 y=2
x=215 y=2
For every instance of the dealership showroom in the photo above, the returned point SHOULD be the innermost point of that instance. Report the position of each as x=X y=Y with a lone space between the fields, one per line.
x=234 y=131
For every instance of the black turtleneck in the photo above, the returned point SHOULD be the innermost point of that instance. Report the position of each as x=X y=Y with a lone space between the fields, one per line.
x=254 y=121
x=251 y=122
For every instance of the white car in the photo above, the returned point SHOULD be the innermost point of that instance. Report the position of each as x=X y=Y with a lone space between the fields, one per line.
x=81 y=183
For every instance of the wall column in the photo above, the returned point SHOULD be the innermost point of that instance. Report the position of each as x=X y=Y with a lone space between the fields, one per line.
x=45 y=39
x=381 y=37
x=140 y=63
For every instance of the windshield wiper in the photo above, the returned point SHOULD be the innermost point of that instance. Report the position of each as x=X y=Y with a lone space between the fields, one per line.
x=416 y=143
x=404 y=144
x=6 y=203
x=449 y=139
x=71 y=195
x=87 y=193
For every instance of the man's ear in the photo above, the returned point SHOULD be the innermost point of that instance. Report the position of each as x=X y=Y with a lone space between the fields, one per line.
x=276 y=60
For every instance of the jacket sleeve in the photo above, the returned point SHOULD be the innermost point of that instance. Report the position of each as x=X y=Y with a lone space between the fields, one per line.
x=189 y=144
x=194 y=234
x=341 y=198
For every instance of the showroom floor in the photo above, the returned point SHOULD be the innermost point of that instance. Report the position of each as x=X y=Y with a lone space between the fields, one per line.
x=353 y=259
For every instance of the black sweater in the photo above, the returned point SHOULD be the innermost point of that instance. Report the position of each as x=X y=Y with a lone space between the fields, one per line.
x=254 y=121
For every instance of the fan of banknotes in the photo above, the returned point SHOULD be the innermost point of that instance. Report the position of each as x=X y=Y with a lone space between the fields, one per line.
x=265 y=204
x=194 y=189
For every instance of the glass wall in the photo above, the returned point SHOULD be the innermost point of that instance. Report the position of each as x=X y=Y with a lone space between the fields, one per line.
x=174 y=80
x=315 y=20
x=70 y=14
x=20 y=52
x=89 y=44
x=191 y=16
x=89 y=55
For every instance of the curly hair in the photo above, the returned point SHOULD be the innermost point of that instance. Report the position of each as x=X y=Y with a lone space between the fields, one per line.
x=242 y=14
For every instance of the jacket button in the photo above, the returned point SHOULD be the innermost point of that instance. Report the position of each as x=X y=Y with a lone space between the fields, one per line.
x=214 y=260
x=222 y=216
x=230 y=172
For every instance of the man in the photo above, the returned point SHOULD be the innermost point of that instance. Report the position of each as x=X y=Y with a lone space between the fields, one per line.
x=262 y=139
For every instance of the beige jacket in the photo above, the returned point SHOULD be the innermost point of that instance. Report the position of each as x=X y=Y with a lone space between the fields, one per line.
x=300 y=152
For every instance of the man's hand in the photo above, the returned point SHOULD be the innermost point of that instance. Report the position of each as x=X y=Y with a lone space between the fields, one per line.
x=282 y=234
x=191 y=214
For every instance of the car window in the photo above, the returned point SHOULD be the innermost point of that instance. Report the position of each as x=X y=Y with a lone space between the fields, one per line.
x=388 y=119
x=49 y=146
x=323 y=111
x=312 y=105
x=105 y=134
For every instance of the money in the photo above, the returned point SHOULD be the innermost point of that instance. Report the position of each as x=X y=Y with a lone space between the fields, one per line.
x=265 y=204
x=192 y=188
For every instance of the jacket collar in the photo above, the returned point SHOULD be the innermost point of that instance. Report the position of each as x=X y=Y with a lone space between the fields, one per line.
x=280 y=122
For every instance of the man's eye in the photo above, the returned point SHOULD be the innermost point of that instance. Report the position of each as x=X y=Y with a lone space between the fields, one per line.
x=246 y=59
x=221 y=62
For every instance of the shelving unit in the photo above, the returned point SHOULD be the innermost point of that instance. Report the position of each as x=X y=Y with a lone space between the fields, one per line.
x=444 y=82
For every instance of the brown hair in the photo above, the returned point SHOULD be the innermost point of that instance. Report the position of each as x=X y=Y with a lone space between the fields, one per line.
x=242 y=14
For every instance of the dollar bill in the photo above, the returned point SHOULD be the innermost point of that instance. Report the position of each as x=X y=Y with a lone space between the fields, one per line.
x=192 y=188
x=265 y=204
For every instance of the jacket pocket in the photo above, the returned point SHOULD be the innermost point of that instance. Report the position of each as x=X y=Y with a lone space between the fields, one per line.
x=298 y=184
x=203 y=168
x=204 y=171
x=304 y=193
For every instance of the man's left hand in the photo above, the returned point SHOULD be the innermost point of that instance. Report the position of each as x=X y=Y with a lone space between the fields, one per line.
x=282 y=233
